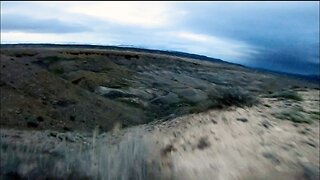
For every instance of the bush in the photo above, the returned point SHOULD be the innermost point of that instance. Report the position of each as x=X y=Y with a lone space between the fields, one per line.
x=22 y=54
x=59 y=70
x=315 y=115
x=226 y=97
x=295 y=114
x=287 y=95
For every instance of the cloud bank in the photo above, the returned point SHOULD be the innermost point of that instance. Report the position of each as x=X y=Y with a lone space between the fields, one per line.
x=281 y=36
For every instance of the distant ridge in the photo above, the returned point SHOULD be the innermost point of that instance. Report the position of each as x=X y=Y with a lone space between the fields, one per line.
x=308 y=77
x=311 y=78
x=122 y=47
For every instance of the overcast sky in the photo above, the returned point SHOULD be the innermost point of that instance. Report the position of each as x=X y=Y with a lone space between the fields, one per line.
x=282 y=36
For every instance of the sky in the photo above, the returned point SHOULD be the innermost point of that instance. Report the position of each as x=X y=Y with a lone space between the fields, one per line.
x=280 y=36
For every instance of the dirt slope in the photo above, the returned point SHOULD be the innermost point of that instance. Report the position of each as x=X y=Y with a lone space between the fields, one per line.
x=235 y=143
x=249 y=143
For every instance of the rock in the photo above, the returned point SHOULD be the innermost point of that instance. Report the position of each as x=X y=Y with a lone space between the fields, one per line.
x=311 y=172
x=272 y=158
x=191 y=81
x=112 y=92
x=134 y=102
x=292 y=144
x=65 y=128
x=278 y=128
x=40 y=118
x=267 y=105
x=203 y=143
x=175 y=134
x=142 y=93
x=214 y=121
x=303 y=132
x=171 y=116
x=53 y=134
x=191 y=94
x=32 y=124
x=242 y=119
x=72 y=118
x=312 y=144
x=168 y=149
x=266 y=124
x=295 y=124
x=18 y=111
x=76 y=81
x=170 y=98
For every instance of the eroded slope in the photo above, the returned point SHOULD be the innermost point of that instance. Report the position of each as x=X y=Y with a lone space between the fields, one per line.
x=79 y=89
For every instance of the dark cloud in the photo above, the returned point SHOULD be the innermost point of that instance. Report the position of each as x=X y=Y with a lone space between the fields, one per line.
x=286 y=34
x=13 y=22
x=287 y=61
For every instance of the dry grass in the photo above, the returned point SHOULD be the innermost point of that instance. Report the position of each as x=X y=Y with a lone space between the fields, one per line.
x=74 y=156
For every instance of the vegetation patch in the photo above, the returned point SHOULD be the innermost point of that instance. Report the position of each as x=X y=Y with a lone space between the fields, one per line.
x=128 y=56
x=295 y=114
x=48 y=60
x=32 y=124
x=18 y=53
x=58 y=70
x=200 y=107
x=225 y=97
x=315 y=115
x=287 y=95
x=23 y=54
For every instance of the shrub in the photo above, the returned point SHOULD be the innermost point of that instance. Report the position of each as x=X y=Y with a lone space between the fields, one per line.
x=58 y=70
x=51 y=59
x=48 y=60
x=128 y=56
x=295 y=114
x=287 y=95
x=226 y=97
x=314 y=115
x=22 y=54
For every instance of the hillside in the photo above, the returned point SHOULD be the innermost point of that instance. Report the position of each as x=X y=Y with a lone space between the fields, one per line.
x=78 y=89
x=93 y=113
